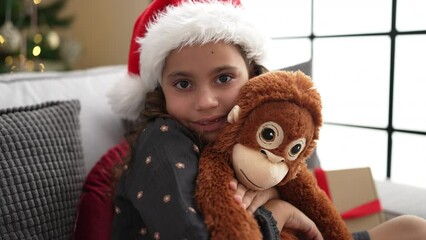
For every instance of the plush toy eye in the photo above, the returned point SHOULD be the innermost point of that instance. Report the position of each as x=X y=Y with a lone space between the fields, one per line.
x=295 y=148
x=270 y=135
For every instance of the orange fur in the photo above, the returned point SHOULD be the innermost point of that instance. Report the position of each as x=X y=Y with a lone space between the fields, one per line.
x=290 y=99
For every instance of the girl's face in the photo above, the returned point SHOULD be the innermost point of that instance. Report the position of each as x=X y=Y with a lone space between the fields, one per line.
x=201 y=84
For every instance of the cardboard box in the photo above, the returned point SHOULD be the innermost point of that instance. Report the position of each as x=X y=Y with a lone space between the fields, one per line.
x=354 y=189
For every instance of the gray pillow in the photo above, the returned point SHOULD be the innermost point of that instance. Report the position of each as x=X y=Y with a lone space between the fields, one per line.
x=41 y=170
x=305 y=67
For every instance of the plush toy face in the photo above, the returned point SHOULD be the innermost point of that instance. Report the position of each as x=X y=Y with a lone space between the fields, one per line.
x=270 y=142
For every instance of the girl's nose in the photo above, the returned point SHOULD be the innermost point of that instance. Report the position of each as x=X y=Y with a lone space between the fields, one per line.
x=206 y=99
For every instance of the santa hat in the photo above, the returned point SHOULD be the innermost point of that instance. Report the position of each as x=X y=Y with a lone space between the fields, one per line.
x=170 y=24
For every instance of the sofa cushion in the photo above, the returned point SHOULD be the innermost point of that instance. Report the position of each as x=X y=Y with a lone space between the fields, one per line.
x=41 y=170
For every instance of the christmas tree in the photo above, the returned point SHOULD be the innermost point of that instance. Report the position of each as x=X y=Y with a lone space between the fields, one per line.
x=28 y=39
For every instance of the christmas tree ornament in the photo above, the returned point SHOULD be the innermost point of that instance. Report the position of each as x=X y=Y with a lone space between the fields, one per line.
x=53 y=39
x=10 y=37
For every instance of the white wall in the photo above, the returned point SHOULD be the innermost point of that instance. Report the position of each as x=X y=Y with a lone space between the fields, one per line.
x=103 y=28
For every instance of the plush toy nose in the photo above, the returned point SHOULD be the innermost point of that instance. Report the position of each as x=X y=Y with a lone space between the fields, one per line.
x=272 y=157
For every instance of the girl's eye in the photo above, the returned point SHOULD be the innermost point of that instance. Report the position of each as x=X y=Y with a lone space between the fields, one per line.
x=182 y=84
x=224 y=79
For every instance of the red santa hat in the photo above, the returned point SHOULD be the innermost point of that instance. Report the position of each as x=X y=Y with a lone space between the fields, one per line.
x=166 y=25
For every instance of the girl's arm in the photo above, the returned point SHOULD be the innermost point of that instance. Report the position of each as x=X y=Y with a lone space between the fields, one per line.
x=161 y=179
x=285 y=214
x=290 y=217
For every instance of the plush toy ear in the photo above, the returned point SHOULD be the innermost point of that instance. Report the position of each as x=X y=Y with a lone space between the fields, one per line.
x=234 y=114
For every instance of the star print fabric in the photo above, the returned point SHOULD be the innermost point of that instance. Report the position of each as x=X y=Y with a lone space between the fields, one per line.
x=154 y=197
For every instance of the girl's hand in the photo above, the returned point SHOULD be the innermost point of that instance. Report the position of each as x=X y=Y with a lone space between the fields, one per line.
x=251 y=199
x=289 y=216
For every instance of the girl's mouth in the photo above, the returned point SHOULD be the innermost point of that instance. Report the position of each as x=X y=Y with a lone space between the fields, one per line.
x=209 y=125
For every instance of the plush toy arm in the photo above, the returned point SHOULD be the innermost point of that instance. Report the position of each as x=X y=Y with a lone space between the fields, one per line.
x=304 y=194
x=224 y=218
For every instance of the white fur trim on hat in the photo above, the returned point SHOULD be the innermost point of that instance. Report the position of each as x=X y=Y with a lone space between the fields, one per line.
x=189 y=23
x=127 y=97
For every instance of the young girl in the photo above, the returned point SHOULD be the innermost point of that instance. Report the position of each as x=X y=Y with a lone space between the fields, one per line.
x=193 y=59
x=187 y=62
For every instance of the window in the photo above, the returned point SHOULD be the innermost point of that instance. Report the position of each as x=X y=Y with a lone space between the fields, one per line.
x=369 y=64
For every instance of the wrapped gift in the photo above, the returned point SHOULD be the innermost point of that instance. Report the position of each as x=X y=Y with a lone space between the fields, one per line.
x=353 y=192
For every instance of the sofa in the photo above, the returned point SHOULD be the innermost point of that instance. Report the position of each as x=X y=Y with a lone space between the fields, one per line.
x=58 y=142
